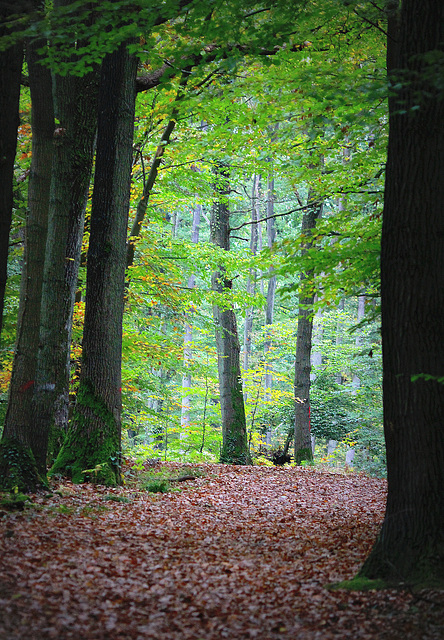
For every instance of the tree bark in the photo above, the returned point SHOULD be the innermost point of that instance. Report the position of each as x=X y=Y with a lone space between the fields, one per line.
x=188 y=337
x=10 y=74
x=302 y=438
x=271 y=290
x=234 y=431
x=410 y=547
x=251 y=281
x=18 y=422
x=76 y=110
x=94 y=438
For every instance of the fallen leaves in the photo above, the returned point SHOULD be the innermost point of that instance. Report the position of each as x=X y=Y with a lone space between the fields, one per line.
x=243 y=552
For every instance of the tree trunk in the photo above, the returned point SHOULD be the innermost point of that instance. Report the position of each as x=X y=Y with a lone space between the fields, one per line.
x=361 y=313
x=251 y=281
x=302 y=437
x=19 y=426
x=271 y=296
x=136 y=227
x=10 y=74
x=92 y=447
x=271 y=290
x=76 y=110
x=188 y=337
x=234 y=431
x=410 y=548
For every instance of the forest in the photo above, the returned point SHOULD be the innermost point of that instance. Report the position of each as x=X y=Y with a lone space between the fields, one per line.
x=221 y=273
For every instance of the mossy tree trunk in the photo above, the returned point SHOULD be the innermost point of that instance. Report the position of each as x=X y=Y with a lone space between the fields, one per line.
x=94 y=437
x=234 y=431
x=302 y=437
x=76 y=110
x=19 y=426
x=410 y=547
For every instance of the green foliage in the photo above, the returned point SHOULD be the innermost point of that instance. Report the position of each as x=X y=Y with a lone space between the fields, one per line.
x=156 y=485
x=15 y=501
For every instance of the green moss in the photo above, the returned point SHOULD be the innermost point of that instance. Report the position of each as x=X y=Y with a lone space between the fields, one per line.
x=18 y=470
x=15 y=502
x=156 y=486
x=91 y=451
x=304 y=454
x=359 y=584
x=56 y=439
x=235 y=449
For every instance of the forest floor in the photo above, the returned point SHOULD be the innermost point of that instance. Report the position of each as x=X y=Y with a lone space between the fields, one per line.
x=237 y=553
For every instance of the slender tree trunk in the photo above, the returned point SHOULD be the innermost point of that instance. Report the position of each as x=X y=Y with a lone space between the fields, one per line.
x=316 y=353
x=361 y=313
x=10 y=74
x=302 y=437
x=271 y=296
x=188 y=337
x=19 y=425
x=271 y=290
x=251 y=281
x=136 y=227
x=76 y=110
x=410 y=547
x=94 y=437
x=234 y=431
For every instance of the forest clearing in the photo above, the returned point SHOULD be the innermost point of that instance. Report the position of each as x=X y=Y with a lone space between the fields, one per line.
x=238 y=552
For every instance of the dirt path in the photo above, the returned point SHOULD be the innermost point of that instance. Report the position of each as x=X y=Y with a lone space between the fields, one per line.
x=241 y=553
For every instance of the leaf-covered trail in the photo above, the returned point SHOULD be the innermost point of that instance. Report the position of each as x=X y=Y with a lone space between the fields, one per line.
x=242 y=553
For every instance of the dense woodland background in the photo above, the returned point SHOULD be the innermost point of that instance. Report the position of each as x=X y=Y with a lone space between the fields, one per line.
x=304 y=120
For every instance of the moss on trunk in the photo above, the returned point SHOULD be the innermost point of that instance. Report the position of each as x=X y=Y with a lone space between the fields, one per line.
x=304 y=454
x=18 y=469
x=91 y=451
x=235 y=448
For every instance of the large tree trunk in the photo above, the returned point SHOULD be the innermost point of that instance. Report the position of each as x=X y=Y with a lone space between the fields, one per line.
x=302 y=437
x=410 y=548
x=94 y=438
x=19 y=426
x=10 y=74
x=76 y=111
x=234 y=432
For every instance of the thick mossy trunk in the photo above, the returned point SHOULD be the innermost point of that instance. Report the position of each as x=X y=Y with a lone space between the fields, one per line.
x=18 y=470
x=76 y=110
x=91 y=451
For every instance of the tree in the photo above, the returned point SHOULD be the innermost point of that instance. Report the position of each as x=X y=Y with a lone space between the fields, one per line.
x=410 y=547
x=302 y=437
x=19 y=429
x=94 y=437
x=10 y=74
x=76 y=111
x=234 y=432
